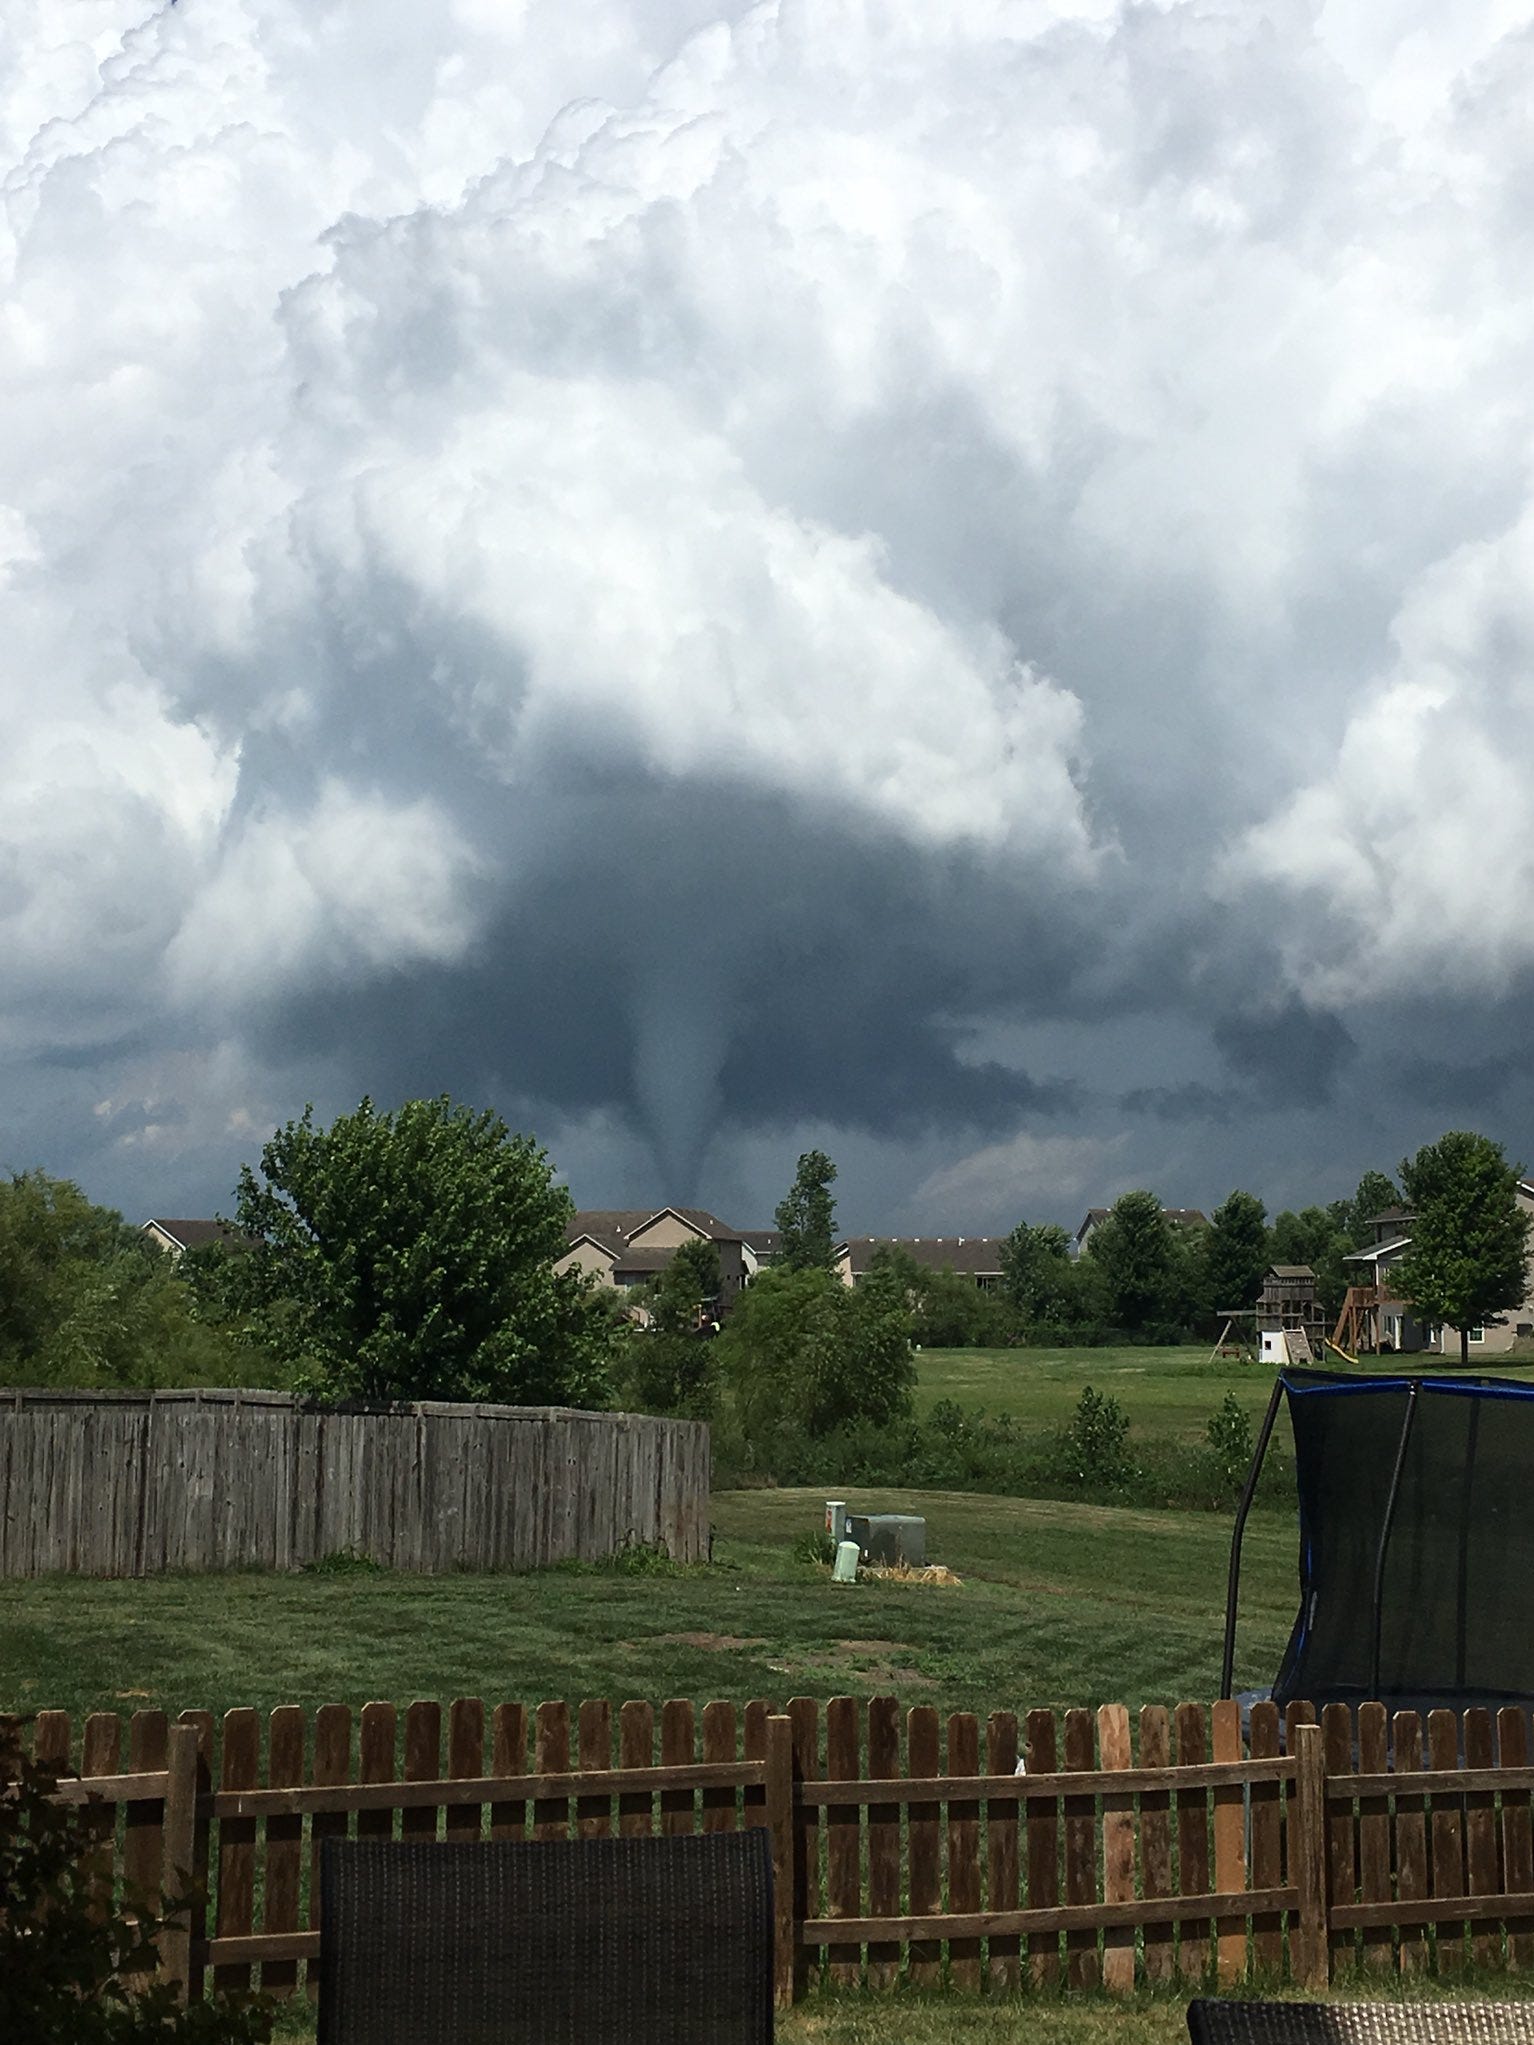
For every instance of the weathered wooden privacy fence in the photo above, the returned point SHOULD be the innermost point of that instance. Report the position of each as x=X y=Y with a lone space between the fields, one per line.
x=1356 y=1848
x=127 y=1483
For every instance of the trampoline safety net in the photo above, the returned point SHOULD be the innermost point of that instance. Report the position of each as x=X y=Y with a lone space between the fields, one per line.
x=1453 y=1554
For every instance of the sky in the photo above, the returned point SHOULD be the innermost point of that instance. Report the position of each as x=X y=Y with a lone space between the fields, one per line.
x=946 y=580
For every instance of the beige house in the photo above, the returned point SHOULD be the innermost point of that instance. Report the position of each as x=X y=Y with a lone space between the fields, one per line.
x=976 y=1257
x=175 y=1238
x=1394 y=1326
x=628 y=1246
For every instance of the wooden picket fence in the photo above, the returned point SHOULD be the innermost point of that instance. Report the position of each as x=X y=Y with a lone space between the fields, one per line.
x=901 y=1847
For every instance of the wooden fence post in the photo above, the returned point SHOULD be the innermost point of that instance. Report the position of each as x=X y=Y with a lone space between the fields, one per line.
x=179 y=1853
x=1307 y=1858
x=781 y=1818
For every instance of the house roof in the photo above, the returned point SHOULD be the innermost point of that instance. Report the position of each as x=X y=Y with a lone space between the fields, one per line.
x=1180 y=1217
x=976 y=1256
x=1375 y=1251
x=613 y=1228
x=767 y=1242
x=196 y=1235
x=1290 y=1271
x=643 y=1260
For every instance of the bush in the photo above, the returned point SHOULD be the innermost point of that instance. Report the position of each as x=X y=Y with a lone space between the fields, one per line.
x=1093 y=1448
x=72 y=1973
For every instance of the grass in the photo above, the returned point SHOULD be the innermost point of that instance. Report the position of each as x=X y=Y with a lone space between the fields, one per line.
x=1059 y=1604
x=1164 y=1391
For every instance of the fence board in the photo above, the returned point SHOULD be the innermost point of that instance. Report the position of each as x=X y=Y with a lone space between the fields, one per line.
x=1229 y=1842
x=1081 y=1965
x=1156 y=1840
x=925 y=1955
x=594 y=1747
x=1003 y=1965
x=964 y=1849
x=1517 y=1835
x=508 y=1757
x=332 y=1764
x=677 y=1750
x=551 y=1756
x=753 y=1747
x=144 y=1821
x=1118 y=1851
x=720 y=1743
x=1481 y=1834
x=1043 y=1850
x=100 y=1750
x=883 y=1838
x=804 y=1718
x=193 y=1919
x=1446 y=1836
x=1374 y=1837
x=1341 y=1841
x=844 y=1844
x=1267 y=1828
x=375 y=1763
x=465 y=1761
x=423 y=1763
x=1410 y=1839
x=283 y=1858
x=1192 y=1842
x=636 y=1749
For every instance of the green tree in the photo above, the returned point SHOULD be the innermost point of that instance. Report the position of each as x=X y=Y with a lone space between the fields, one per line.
x=1138 y=1259
x=668 y=1366
x=1468 y=1258
x=803 y=1351
x=1237 y=1251
x=806 y=1215
x=411 y=1255
x=86 y=1300
x=1375 y=1194
x=68 y=1959
x=1038 y=1272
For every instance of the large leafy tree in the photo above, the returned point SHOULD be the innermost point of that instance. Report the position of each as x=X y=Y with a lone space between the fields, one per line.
x=1469 y=1239
x=86 y=1300
x=806 y=1215
x=1139 y=1261
x=1376 y=1193
x=1037 y=1272
x=411 y=1255
x=1236 y=1249
x=802 y=1351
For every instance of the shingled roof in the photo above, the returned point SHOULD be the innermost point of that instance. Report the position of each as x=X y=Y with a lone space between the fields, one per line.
x=975 y=1256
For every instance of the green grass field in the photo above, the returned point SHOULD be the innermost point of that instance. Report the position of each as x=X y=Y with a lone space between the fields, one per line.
x=1163 y=1391
x=1059 y=1604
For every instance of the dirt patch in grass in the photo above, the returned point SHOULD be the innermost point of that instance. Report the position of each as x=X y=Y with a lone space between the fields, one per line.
x=869 y=1664
x=717 y=1642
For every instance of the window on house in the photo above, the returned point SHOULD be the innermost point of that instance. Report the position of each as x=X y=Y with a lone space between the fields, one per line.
x=1478 y=1334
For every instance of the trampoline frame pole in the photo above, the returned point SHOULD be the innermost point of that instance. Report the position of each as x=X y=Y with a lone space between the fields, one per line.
x=1248 y=1493
x=1386 y=1524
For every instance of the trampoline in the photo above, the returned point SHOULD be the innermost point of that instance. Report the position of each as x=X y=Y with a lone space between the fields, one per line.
x=1416 y=1559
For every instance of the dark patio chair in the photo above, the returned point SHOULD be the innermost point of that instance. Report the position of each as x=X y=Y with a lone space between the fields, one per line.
x=562 y=1942
x=1214 y=2022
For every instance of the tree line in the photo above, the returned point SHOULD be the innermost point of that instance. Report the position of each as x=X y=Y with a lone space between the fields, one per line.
x=412 y=1254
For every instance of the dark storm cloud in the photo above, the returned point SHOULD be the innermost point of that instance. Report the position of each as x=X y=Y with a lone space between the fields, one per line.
x=955 y=579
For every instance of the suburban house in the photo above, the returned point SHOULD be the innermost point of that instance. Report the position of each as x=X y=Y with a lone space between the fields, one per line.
x=976 y=1257
x=1373 y=1316
x=1179 y=1217
x=175 y=1238
x=628 y=1246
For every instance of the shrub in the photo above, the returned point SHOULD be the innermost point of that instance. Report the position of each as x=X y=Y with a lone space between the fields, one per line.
x=71 y=1972
x=1092 y=1449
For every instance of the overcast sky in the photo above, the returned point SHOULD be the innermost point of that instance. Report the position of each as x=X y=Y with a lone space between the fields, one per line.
x=949 y=581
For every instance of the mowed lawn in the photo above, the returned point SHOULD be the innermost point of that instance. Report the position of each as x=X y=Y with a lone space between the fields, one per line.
x=1167 y=1392
x=1059 y=1604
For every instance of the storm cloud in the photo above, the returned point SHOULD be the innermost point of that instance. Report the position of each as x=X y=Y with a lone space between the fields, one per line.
x=953 y=583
